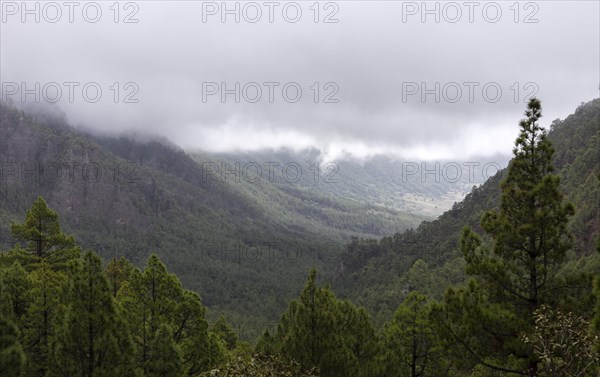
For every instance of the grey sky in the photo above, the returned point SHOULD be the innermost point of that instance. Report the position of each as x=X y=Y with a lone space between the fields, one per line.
x=371 y=56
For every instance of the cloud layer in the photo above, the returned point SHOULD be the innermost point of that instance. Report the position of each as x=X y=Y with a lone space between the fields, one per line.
x=379 y=80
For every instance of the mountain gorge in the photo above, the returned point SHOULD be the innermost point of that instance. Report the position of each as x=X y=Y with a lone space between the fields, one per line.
x=221 y=221
x=412 y=299
x=218 y=232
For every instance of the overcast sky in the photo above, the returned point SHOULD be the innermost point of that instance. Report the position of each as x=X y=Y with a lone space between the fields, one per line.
x=371 y=67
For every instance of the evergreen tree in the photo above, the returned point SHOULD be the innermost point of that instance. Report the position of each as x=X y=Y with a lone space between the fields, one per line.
x=305 y=330
x=518 y=273
x=89 y=339
x=12 y=357
x=360 y=338
x=317 y=330
x=165 y=358
x=410 y=341
x=266 y=344
x=35 y=297
x=118 y=272
x=43 y=236
x=155 y=297
x=47 y=299
x=16 y=288
x=225 y=331
x=6 y=305
x=216 y=354
x=192 y=336
x=147 y=299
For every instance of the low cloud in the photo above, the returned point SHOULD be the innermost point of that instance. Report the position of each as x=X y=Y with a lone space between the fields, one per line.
x=378 y=81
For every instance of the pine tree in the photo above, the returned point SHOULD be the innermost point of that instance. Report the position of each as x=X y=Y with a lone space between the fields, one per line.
x=317 y=330
x=47 y=299
x=118 y=272
x=149 y=298
x=15 y=298
x=43 y=236
x=518 y=273
x=51 y=257
x=155 y=297
x=410 y=340
x=192 y=335
x=225 y=331
x=16 y=288
x=266 y=344
x=360 y=339
x=89 y=339
x=304 y=331
x=216 y=354
x=165 y=358
x=12 y=357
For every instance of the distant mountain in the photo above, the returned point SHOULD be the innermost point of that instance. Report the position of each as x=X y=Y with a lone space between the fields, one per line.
x=421 y=187
x=378 y=273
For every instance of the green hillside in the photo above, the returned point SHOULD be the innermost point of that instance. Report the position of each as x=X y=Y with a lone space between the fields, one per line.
x=380 y=273
x=234 y=243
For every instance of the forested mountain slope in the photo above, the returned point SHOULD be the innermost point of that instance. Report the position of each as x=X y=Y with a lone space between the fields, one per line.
x=379 y=273
x=233 y=242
